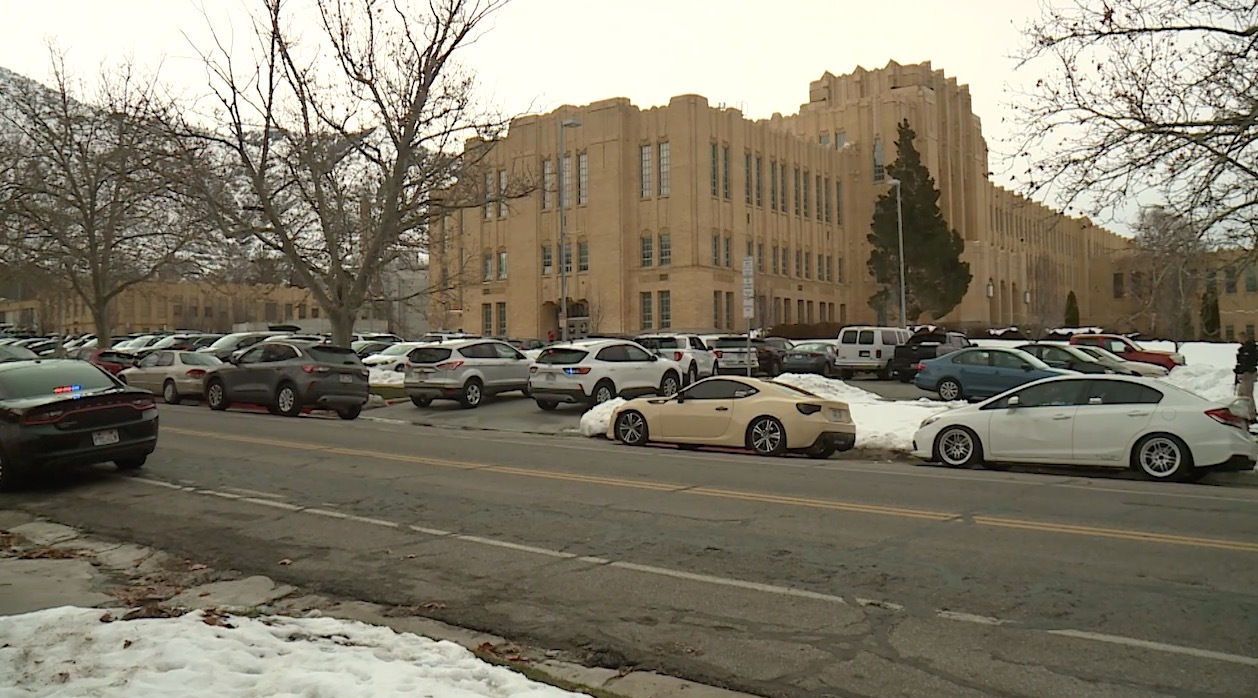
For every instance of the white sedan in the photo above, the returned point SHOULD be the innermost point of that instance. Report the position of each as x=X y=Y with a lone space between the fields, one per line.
x=1153 y=427
x=392 y=358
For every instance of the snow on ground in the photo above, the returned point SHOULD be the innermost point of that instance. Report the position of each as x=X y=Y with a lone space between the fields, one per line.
x=596 y=420
x=386 y=378
x=1210 y=382
x=881 y=424
x=69 y=652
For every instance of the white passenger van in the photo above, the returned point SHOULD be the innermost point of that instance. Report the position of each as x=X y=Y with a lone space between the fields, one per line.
x=868 y=349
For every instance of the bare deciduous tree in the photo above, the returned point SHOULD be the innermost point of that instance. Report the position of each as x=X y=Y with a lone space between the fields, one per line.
x=92 y=208
x=1144 y=98
x=1046 y=307
x=1165 y=269
x=339 y=141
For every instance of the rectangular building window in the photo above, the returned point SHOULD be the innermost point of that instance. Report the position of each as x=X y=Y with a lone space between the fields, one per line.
x=645 y=311
x=713 y=184
x=799 y=310
x=548 y=261
x=725 y=171
x=838 y=202
x=1229 y=280
x=838 y=271
x=666 y=177
x=840 y=140
x=486 y=319
x=759 y=181
x=729 y=257
x=807 y=265
x=760 y=257
x=821 y=192
x=489 y=196
x=666 y=309
x=799 y=262
x=782 y=190
x=567 y=258
x=502 y=319
x=1118 y=285
x=729 y=309
x=548 y=183
x=824 y=139
x=773 y=186
x=775 y=259
x=487 y=267
x=880 y=169
x=1249 y=331
x=807 y=193
x=666 y=250
x=583 y=256
x=786 y=310
x=810 y=309
x=502 y=193
x=645 y=171
x=502 y=265
x=747 y=178
x=796 y=190
x=716 y=250
x=827 y=195
x=1251 y=279
x=1229 y=333
x=566 y=177
x=646 y=251
x=583 y=178
x=716 y=309
x=750 y=248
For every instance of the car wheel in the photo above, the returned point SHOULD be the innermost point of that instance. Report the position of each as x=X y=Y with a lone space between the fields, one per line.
x=904 y=376
x=131 y=463
x=10 y=478
x=286 y=402
x=631 y=428
x=766 y=436
x=949 y=390
x=421 y=401
x=547 y=405
x=846 y=375
x=349 y=413
x=473 y=393
x=1162 y=457
x=603 y=391
x=170 y=393
x=958 y=447
x=526 y=391
x=692 y=375
x=884 y=375
x=670 y=384
x=820 y=451
x=216 y=396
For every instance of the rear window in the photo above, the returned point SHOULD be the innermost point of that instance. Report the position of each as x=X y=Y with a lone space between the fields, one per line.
x=38 y=380
x=115 y=357
x=661 y=343
x=728 y=342
x=891 y=338
x=334 y=355
x=192 y=359
x=16 y=353
x=564 y=356
x=428 y=355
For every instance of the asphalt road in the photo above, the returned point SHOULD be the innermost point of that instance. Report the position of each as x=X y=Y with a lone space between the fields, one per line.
x=782 y=577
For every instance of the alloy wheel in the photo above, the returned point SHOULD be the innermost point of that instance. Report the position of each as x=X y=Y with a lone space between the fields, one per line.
x=473 y=394
x=169 y=393
x=602 y=394
x=669 y=386
x=766 y=436
x=286 y=399
x=956 y=447
x=1160 y=457
x=631 y=428
x=949 y=390
x=214 y=396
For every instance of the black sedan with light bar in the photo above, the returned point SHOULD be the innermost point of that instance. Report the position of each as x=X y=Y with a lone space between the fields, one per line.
x=62 y=413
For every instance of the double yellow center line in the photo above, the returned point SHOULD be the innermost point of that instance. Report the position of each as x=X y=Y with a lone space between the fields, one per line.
x=759 y=497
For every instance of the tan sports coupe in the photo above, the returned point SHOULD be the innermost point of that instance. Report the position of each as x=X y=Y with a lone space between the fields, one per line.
x=763 y=416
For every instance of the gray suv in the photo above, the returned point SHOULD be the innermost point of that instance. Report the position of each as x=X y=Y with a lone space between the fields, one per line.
x=465 y=370
x=288 y=377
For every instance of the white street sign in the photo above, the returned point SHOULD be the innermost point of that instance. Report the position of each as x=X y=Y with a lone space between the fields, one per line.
x=749 y=280
x=749 y=308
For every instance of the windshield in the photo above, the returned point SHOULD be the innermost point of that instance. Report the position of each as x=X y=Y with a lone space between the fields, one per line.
x=228 y=341
x=729 y=343
x=429 y=355
x=1037 y=363
x=397 y=350
x=820 y=347
x=660 y=342
x=195 y=359
x=38 y=380
x=166 y=342
x=334 y=355
x=562 y=355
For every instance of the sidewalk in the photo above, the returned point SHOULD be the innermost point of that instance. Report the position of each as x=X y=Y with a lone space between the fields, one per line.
x=84 y=616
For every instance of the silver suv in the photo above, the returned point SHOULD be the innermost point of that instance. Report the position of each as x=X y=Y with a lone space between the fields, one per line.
x=465 y=370
x=288 y=377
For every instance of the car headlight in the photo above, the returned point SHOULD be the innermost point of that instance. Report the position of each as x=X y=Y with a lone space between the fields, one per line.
x=930 y=420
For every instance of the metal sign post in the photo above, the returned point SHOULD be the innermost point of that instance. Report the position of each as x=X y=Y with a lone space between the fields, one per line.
x=749 y=302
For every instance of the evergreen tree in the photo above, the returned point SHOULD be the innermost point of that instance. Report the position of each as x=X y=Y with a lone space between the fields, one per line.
x=1072 y=310
x=1210 y=321
x=935 y=277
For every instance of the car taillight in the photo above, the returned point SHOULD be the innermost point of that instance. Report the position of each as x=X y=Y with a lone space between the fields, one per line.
x=719 y=353
x=448 y=366
x=878 y=354
x=314 y=368
x=577 y=370
x=805 y=408
x=43 y=417
x=196 y=373
x=920 y=367
x=676 y=356
x=532 y=369
x=144 y=403
x=1224 y=416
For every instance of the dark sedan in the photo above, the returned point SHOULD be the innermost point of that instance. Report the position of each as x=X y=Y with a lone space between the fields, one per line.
x=58 y=413
x=1059 y=356
x=811 y=357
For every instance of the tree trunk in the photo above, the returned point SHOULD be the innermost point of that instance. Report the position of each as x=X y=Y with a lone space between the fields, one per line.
x=342 y=320
x=104 y=328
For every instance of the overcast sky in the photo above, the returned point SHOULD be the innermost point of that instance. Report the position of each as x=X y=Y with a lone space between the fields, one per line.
x=538 y=54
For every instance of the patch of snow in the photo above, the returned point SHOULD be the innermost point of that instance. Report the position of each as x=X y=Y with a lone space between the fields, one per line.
x=69 y=652
x=1210 y=382
x=1076 y=330
x=386 y=378
x=598 y=418
x=881 y=424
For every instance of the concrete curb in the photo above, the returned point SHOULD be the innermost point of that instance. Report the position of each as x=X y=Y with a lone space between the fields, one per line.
x=142 y=578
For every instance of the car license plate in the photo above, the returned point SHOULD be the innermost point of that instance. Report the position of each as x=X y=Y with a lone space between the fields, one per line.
x=346 y=378
x=550 y=378
x=836 y=415
x=108 y=437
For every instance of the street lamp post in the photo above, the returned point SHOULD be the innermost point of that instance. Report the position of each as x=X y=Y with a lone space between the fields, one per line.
x=899 y=221
x=563 y=244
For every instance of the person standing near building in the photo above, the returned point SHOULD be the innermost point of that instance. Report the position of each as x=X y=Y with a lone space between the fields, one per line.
x=1246 y=370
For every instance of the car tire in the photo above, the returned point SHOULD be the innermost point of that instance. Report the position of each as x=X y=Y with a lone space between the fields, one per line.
x=904 y=376
x=131 y=463
x=827 y=371
x=472 y=395
x=950 y=390
x=170 y=393
x=604 y=390
x=847 y=374
x=821 y=452
x=884 y=374
x=692 y=375
x=350 y=413
x=670 y=384
x=11 y=480
x=766 y=436
x=286 y=402
x=1162 y=457
x=958 y=447
x=547 y=405
x=631 y=428
x=526 y=391
x=216 y=396
x=421 y=401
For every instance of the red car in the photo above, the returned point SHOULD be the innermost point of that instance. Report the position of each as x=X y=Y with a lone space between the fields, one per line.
x=1129 y=350
x=108 y=359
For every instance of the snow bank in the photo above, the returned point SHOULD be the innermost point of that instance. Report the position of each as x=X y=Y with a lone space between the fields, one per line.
x=1210 y=382
x=881 y=424
x=596 y=420
x=70 y=652
x=386 y=378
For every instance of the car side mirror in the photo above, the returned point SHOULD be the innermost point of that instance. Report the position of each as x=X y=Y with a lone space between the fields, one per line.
x=655 y=357
x=1013 y=401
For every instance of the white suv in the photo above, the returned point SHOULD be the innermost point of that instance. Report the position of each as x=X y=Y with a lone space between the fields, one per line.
x=392 y=358
x=592 y=371
x=688 y=350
